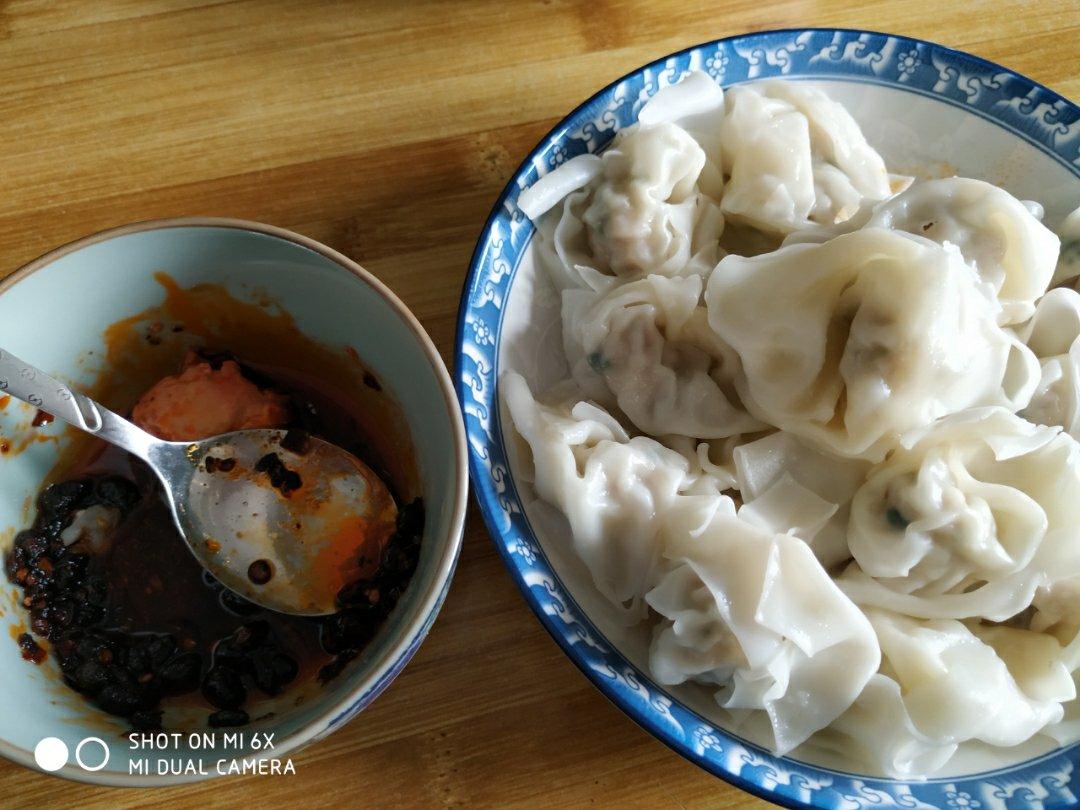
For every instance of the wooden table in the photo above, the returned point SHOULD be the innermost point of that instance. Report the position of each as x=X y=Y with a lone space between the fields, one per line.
x=386 y=130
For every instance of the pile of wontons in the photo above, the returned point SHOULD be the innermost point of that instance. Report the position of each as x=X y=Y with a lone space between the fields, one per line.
x=822 y=426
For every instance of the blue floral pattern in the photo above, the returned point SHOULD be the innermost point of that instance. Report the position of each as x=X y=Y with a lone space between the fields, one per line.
x=1029 y=110
x=955 y=798
x=716 y=64
x=908 y=62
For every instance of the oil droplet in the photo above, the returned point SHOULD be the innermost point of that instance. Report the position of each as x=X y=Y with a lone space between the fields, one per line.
x=260 y=572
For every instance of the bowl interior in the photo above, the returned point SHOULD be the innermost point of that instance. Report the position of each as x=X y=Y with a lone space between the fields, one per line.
x=55 y=317
x=928 y=124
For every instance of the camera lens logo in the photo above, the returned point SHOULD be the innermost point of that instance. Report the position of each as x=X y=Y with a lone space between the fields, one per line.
x=51 y=754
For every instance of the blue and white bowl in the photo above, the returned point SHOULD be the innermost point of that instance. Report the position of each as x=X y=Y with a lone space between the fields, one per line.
x=53 y=312
x=930 y=111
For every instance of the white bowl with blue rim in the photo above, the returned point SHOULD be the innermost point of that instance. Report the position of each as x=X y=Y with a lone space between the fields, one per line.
x=930 y=111
x=54 y=311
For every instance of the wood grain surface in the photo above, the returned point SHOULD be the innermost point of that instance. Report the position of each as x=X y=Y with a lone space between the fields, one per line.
x=386 y=130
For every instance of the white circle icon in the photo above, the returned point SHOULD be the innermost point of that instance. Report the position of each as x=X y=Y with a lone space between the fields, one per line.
x=78 y=754
x=51 y=754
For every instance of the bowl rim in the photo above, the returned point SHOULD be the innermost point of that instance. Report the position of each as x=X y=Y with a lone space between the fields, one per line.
x=383 y=670
x=480 y=448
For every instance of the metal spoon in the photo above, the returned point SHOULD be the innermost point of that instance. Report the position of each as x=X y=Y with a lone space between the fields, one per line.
x=282 y=519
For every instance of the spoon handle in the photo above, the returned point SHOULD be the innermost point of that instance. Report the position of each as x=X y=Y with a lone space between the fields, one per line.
x=33 y=386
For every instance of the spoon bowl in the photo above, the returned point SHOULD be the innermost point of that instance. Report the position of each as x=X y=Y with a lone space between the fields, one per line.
x=282 y=518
